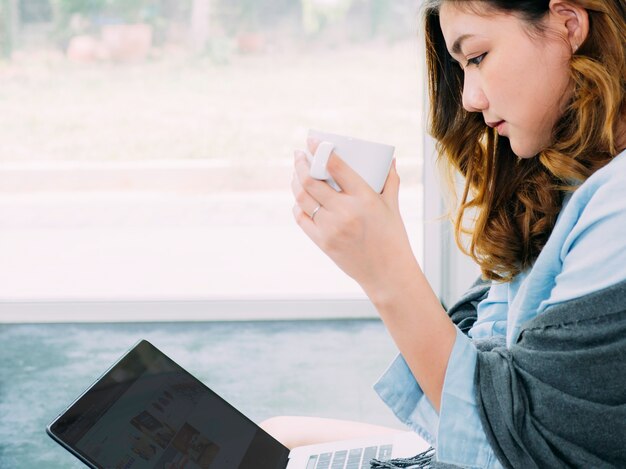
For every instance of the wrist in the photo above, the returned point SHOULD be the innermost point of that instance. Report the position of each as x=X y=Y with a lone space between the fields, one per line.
x=398 y=280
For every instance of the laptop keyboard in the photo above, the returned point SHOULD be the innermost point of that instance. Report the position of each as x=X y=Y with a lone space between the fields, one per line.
x=358 y=458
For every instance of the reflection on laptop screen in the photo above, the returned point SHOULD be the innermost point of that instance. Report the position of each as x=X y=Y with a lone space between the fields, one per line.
x=147 y=412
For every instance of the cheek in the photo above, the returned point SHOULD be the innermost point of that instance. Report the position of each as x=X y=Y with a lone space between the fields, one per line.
x=511 y=86
x=530 y=93
x=548 y=86
x=538 y=99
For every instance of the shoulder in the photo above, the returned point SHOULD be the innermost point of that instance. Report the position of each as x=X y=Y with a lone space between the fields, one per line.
x=601 y=198
x=589 y=244
x=604 y=183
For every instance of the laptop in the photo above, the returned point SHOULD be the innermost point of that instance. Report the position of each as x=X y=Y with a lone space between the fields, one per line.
x=148 y=412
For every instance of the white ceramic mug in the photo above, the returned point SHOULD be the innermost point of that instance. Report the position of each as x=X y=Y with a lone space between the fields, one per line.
x=372 y=161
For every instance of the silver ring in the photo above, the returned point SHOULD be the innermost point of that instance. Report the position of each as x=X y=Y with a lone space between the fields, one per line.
x=317 y=209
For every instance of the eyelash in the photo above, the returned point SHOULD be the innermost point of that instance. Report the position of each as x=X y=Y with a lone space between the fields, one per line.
x=476 y=60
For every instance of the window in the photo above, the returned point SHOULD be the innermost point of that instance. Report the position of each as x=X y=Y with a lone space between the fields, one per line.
x=147 y=151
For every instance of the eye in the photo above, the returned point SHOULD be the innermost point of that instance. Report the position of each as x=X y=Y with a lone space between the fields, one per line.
x=476 y=60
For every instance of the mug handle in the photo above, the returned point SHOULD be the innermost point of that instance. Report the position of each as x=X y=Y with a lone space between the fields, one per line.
x=320 y=160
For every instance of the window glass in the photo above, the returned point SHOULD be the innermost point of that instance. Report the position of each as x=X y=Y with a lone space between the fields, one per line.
x=147 y=145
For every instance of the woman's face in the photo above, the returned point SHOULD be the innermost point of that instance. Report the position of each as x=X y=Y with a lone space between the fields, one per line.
x=519 y=83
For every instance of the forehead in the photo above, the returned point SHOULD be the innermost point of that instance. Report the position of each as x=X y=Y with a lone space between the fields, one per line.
x=459 y=19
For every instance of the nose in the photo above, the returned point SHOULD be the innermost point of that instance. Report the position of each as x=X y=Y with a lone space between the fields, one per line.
x=474 y=98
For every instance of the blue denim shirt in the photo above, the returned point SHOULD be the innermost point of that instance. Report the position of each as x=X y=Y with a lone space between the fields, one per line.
x=592 y=220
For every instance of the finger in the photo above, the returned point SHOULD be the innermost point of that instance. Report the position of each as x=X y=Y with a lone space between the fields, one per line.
x=312 y=144
x=391 y=190
x=347 y=178
x=319 y=190
x=307 y=225
x=307 y=203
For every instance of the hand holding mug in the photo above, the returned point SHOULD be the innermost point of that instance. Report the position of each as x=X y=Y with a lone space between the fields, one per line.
x=360 y=229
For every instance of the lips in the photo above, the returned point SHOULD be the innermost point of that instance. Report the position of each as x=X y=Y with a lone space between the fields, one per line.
x=494 y=124
x=498 y=125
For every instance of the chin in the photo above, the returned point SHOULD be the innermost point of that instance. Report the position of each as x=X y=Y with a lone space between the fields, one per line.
x=523 y=151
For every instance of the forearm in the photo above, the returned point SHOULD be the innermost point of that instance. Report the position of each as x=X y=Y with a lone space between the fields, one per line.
x=363 y=233
x=418 y=325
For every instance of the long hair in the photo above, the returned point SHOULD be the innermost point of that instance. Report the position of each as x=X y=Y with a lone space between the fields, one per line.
x=509 y=206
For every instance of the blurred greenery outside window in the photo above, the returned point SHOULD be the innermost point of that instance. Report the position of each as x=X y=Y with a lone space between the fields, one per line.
x=211 y=79
x=71 y=17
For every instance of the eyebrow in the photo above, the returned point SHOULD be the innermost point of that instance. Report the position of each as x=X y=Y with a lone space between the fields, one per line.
x=456 y=47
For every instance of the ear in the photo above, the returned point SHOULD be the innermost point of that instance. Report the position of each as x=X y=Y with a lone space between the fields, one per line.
x=574 y=19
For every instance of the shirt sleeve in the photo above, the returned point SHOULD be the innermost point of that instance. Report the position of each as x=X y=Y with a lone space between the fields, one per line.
x=460 y=438
x=403 y=395
x=457 y=431
x=491 y=313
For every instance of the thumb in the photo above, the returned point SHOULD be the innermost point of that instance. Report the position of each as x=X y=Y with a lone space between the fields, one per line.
x=391 y=189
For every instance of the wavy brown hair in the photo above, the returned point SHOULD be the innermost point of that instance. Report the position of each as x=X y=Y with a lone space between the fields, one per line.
x=513 y=203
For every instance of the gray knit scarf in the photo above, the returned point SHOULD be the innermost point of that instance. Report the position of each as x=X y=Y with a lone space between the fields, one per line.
x=557 y=397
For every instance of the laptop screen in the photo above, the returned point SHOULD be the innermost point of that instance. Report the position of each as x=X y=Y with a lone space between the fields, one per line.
x=147 y=412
